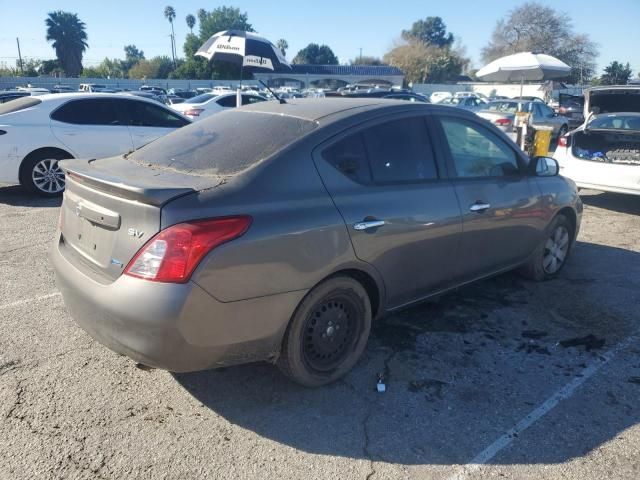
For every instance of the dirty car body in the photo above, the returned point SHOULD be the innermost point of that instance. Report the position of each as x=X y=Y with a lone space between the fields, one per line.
x=385 y=194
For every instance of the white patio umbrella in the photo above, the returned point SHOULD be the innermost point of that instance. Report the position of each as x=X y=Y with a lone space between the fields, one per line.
x=524 y=66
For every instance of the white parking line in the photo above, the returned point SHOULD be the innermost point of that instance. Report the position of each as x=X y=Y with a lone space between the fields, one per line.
x=29 y=300
x=465 y=471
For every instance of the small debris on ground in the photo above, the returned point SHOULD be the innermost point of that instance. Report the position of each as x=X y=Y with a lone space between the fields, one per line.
x=590 y=342
x=533 y=348
x=634 y=380
x=380 y=386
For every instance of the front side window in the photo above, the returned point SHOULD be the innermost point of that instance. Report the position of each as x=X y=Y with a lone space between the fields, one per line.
x=89 y=111
x=477 y=152
x=249 y=99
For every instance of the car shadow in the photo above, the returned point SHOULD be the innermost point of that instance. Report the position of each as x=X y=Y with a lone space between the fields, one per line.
x=459 y=372
x=17 y=196
x=616 y=202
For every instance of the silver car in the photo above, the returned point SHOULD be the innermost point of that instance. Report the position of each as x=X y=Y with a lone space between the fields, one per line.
x=279 y=232
x=502 y=114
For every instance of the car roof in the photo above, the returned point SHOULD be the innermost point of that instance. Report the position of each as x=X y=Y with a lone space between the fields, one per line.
x=332 y=108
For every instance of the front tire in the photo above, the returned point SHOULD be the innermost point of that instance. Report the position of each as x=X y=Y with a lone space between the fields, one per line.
x=327 y=333
x=551 y=255
x=40 y=174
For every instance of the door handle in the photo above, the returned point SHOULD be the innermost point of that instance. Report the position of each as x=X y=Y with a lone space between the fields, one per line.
x=368 y=224
x=479 y=207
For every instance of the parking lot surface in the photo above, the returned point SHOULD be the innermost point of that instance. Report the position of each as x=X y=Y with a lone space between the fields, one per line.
x=478 y=382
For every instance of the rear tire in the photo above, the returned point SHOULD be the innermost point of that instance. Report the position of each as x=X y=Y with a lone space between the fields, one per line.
x=40 y=173
x=552 y=253
x=327 y=333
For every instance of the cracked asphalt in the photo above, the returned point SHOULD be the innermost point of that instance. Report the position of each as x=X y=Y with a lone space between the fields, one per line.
x=478 y=383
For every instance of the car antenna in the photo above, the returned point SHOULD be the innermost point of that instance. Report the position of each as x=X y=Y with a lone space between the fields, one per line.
x=281 y=100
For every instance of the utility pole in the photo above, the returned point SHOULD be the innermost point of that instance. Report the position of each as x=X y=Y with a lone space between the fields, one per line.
x=19 y=56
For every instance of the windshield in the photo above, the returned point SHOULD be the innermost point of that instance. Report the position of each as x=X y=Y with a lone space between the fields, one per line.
x=224 y=144
x=201 y=98
x=502 y=107
x=616 y=122
x=19 y=104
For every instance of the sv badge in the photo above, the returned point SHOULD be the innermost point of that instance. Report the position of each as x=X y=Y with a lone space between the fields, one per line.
x=134 y=232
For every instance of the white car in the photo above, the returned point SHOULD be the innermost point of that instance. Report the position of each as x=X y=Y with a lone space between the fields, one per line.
x=36 y=132
x=208 y=104
x=604 y=152
x=437 y=97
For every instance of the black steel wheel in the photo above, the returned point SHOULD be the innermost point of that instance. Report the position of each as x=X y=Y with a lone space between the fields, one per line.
x=327 y=333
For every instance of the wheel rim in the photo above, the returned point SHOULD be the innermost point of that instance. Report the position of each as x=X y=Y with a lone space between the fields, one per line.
x=47 y=176
x=555 y=250
x=331 y=332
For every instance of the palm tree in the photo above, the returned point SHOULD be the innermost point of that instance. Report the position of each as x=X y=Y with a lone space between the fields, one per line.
x=69 y=38
x=282 y=45
x=202 y=14
x=170 y=14
x=191 y=22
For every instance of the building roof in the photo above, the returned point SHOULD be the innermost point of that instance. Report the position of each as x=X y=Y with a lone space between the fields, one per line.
x=365 y=70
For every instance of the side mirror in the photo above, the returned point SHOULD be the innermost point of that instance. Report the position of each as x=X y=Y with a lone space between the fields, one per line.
x=545 y=167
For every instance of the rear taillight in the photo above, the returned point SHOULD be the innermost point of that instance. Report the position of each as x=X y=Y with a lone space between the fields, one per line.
x=562 y=110
x=563 y=141
x=503 y=122
x=194 y=112
x=174 y=253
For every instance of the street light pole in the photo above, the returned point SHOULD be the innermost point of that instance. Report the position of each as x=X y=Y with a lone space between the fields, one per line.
x=19 y=56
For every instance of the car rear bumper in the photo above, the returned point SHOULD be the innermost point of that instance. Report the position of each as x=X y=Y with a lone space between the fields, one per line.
x=176 y=327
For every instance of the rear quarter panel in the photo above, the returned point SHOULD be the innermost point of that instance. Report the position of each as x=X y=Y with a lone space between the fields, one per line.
x=297 y=236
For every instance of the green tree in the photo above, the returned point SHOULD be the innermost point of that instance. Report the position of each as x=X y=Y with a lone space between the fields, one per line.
x=222 y=18
x=616 y=74
x=170 y=14
x=191 y=22
x=366 y=60
x=69 y=38
x=131 y=56
x=282 y=45
x=422 y=63
x=314 y=54
x=430 y=31
x=533 y=27
x=157 y=67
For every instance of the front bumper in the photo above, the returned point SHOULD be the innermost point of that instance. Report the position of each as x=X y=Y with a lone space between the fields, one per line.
x=176 y=327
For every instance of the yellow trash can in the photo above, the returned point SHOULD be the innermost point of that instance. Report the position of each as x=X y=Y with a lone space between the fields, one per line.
x=541 y=141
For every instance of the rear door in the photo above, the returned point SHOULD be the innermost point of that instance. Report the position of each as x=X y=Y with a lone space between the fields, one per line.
x=500 y=209
x=148 y=121
x=92 y=127
x=400 y=210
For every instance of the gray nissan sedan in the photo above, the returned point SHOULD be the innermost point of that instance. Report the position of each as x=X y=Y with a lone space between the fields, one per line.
x=279 y=232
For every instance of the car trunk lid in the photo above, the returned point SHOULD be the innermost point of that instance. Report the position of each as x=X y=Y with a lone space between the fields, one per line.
x=611 y=100
x=111 y=208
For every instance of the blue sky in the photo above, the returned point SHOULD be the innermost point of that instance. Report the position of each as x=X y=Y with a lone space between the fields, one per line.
x=346 y=26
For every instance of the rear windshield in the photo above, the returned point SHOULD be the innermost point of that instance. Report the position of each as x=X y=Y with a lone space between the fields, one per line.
x=224 y=144
x=19 y=104
x=201 y=98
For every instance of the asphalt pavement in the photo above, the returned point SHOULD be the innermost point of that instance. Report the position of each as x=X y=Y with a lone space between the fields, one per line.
x=479 y=384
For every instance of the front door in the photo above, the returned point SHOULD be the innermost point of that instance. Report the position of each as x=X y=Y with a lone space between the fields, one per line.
x=91 y=128
x=500 y=209
x=401 y=214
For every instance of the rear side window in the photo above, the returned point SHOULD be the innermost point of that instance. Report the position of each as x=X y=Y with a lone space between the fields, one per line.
x=94 y=111
x=349 y=157
x=477 y=152
x=145 y=114
x=400 y=151
x=223 y=144
x=390 y=152
x=18 y=104
x=229 y=101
